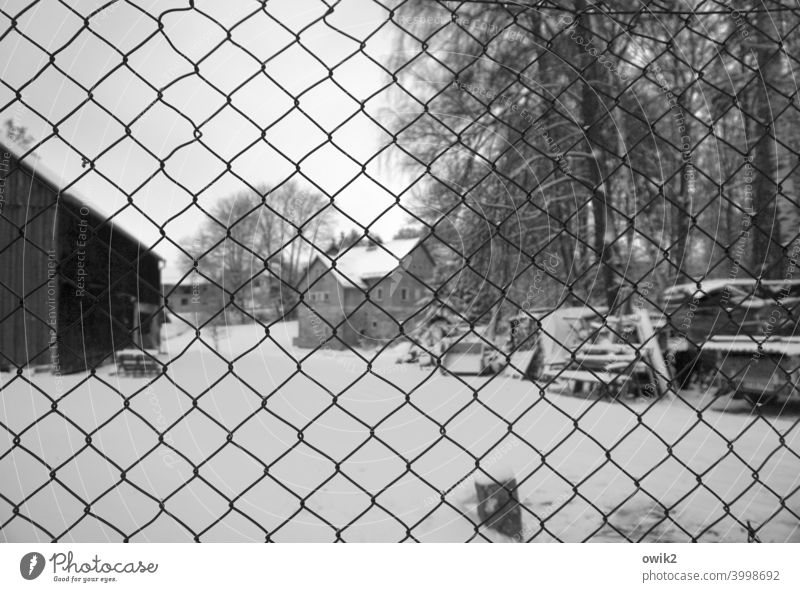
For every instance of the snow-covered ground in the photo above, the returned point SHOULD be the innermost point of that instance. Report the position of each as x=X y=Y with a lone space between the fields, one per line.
x=371 y=426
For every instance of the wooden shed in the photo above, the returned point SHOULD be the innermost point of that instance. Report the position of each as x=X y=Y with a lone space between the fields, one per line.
x=74 y=286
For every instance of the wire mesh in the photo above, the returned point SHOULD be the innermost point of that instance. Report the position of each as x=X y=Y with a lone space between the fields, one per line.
x=605 y=232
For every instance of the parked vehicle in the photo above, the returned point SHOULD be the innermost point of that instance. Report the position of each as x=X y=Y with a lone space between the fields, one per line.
x=761 y=373
x=740 y=336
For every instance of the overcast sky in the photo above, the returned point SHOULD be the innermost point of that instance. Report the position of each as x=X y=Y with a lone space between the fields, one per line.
x=125 y=94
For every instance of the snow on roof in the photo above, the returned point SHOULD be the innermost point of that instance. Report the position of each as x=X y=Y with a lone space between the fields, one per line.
x=364 y=262
x=170 y=276
x=173 y=273
x=708 y=287
x=785 y=346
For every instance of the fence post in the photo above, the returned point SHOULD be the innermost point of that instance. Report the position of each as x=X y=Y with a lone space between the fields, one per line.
x=498 y=506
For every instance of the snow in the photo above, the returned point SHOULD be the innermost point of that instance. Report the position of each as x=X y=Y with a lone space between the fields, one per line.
x=172 y=276
x=548 y=442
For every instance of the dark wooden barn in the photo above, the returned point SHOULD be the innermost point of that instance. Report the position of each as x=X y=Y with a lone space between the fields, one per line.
x=74 y=287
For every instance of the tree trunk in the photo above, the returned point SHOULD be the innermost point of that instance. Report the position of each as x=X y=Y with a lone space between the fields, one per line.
x=592 y=110
x=766 y=252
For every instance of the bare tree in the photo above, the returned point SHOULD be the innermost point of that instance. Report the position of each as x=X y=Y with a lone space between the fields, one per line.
x=765 y=106
x=262 y=234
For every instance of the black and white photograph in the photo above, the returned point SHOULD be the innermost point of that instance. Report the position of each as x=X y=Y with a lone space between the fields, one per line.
x=390 y=271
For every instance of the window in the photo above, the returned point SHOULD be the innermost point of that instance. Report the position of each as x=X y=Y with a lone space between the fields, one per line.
x=374 y=324
x=257 y=283
x=184 y=301
x=318 y=296
x=403 y=293
x=379 y=294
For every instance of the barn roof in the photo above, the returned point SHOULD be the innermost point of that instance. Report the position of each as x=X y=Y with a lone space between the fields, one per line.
x=51 y=178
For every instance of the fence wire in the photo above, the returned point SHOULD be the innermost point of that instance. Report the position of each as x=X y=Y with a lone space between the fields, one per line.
x=605 y=194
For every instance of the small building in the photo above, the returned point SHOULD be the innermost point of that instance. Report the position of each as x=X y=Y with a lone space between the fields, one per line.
x=74 y=286
x=197 y=300
x=396 y=275
x=193 y=299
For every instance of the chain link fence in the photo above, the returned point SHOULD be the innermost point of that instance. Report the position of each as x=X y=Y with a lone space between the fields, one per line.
x=399 y=271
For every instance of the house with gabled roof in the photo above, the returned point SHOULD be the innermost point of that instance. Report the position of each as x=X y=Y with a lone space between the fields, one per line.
x=396 y=276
